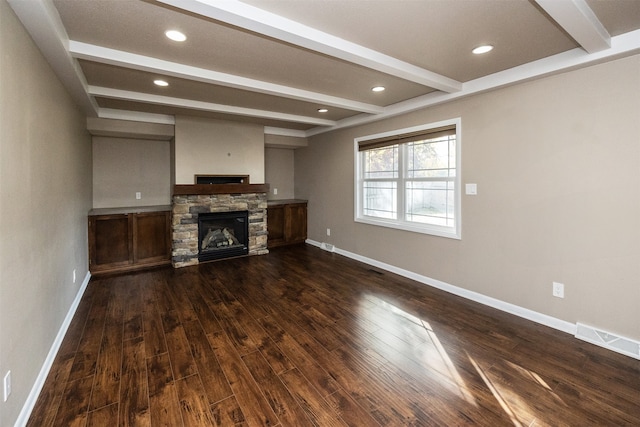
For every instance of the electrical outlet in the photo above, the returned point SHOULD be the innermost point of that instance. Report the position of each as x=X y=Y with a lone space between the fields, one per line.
x=74 y=275
x=275 y=191
x=328 y=232
x=558 y=290
x=7 y=385
x=138 y=195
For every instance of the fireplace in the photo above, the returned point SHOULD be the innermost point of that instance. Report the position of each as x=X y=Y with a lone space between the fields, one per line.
x=222 y=235
x=192 y=201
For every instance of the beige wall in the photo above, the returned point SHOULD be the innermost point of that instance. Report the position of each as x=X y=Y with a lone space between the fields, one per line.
x=122 y=167
x=45 y=194
x=279 y=172
x=557 y=163
x=217 y=147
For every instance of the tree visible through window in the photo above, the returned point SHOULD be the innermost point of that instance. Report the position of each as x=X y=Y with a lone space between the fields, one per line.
x=410 y=179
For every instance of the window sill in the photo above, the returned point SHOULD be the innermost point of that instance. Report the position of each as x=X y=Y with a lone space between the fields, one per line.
x=433 y=230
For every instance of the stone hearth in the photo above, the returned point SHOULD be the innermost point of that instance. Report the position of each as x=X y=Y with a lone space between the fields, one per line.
x=187 y=207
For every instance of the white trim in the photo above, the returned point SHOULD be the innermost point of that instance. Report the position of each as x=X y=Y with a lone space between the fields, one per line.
x=430 y=229
x=516 y=310
x=623 y=45
x=149 y=98
x=270 y=130
x=150 y=64
x=29 y=404
x=435 y=230
x=136 y=116
x=43 y=23
x=608 y=340
x=577 y=19
x=263 y=22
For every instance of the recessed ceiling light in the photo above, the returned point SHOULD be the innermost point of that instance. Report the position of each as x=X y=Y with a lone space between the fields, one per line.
x=378 y=88
x=160 y=83
x=482 y=49
x=322 y=110
x=175 y=35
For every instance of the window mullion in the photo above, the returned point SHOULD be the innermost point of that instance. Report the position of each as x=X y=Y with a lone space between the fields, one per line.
x=402 y=162
x=361 y=181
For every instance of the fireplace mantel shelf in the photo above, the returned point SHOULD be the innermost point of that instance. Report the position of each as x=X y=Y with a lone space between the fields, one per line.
x=204 y=189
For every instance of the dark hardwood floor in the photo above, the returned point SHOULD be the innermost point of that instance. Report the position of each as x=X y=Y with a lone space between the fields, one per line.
x=302 y=337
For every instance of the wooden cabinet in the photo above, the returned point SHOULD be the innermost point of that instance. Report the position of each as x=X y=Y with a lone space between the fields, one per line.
x=122 y=241
x=286 y=222
x=110 y=243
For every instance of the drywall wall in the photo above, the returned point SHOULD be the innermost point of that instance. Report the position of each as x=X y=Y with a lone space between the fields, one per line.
x=218 y=147
x=557 y=164
x=45 y=194
x=279 y=173
x=123 y=167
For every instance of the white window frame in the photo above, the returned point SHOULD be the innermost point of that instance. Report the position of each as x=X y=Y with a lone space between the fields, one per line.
x=453 y=232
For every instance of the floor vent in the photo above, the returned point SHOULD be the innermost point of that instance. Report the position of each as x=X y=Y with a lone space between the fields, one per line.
x=608 y=340
x=328 y=247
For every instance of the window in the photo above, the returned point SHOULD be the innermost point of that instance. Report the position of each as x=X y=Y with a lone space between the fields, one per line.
x=409 y=179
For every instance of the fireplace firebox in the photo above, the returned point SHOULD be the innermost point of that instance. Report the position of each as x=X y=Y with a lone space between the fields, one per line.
x=222 y=235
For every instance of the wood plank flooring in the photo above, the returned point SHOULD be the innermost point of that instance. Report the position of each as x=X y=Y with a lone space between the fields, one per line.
x=303 y=337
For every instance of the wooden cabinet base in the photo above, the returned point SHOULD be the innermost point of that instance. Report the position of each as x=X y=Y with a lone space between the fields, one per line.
x=120 y=242
x=286 y=222
x=101 y=270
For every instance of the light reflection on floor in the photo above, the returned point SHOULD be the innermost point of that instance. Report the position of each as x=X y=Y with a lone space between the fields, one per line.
x=427 y=347
x=496 y=393
x=423 y=343
x=503 y=381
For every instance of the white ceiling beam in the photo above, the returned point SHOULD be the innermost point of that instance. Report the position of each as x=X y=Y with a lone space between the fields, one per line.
x=577 y=19
x=136 y=116
x=203 y=106
x=42 y=21
x=251 y=18
x=134 y=61
x=621 y=46
x=270 y=130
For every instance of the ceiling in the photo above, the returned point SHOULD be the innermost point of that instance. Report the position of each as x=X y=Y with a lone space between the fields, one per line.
x=277 y=62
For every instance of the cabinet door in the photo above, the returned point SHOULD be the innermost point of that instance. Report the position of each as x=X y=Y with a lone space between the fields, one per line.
x=296 y=218
x=110 y=241
x=275 y=225
x=151 y=237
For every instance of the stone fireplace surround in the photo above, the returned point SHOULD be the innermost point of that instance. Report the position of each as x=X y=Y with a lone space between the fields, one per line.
x=191 y=200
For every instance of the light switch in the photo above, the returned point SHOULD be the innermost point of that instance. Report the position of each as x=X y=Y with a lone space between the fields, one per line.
x=471 y=189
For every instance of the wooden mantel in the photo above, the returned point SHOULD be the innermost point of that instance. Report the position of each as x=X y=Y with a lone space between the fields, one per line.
x=204 y=189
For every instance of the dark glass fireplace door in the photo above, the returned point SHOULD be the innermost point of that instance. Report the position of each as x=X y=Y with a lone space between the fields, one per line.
x=222 y=235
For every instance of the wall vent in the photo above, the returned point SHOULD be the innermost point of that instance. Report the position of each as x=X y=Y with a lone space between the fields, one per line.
x=608 y=340
x=327 y=247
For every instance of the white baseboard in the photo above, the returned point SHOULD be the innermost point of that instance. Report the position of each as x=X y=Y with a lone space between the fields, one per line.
x=608 y=340
x=25 y=413
x=516 y=310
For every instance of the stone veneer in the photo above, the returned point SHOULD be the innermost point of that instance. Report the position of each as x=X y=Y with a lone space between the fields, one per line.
x=186 y=208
